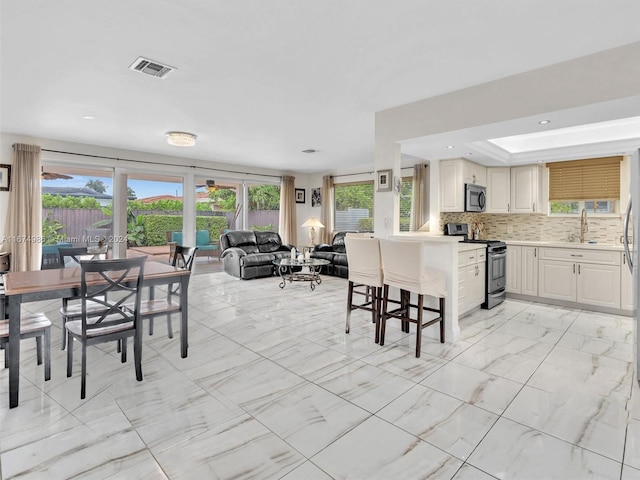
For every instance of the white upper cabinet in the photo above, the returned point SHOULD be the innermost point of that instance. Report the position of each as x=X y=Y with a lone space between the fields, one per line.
x=526 y=191
x=498 y=190
x=454 y=174
x=515 y=190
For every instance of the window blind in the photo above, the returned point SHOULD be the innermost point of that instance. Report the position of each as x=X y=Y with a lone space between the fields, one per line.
x=589 y=179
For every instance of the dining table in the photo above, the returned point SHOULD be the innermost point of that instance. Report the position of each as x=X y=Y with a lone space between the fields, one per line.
x=38 y=285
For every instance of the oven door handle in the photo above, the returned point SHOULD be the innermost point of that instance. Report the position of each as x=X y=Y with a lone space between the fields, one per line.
x=496 y=256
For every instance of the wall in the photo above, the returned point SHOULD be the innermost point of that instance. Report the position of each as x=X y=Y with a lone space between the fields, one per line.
x=606 y=230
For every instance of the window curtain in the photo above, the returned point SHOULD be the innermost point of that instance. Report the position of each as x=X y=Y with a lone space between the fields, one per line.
x=327 y=209
x=23 y=227
x=288 y=224
x=420 y=200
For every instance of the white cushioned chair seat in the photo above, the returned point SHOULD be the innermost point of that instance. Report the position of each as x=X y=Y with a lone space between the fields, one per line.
x=403 y=265
x=365 y=264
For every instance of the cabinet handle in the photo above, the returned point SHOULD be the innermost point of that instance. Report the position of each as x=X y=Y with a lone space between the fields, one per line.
x=574 y=268
x=576 y=255
x=535 y=252
x=508 y=207
x=624 y=259
x=534 y=206
x=578 y=269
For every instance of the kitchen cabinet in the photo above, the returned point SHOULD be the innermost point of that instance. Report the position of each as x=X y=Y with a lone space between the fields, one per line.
x=522 y=270
x=589 y=277
x=514 y=269
x=626 y=285
x=526 y=191
x=498 y=190
x=454 y=173
x=529 y=270
x=472 y=266
x=515 y=190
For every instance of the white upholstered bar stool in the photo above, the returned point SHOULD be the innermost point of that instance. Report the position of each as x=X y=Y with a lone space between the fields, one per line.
x=403 y=264
x=365 y=277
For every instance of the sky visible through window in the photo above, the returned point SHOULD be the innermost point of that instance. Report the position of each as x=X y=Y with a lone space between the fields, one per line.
x=142 y=188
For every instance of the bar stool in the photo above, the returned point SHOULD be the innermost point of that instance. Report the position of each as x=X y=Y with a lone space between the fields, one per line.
x=365 y=277
x=403 y=266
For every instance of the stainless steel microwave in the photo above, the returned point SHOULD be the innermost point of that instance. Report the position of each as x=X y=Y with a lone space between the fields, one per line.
x=475 y=197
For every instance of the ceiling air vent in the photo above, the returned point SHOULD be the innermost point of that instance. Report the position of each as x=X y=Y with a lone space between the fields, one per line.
x=155 y=69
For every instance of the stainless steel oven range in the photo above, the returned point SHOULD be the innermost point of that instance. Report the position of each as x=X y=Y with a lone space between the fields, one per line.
x=496 y=271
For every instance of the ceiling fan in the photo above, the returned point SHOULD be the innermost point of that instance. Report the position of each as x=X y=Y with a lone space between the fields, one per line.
x=53 y=176
x=211 y=186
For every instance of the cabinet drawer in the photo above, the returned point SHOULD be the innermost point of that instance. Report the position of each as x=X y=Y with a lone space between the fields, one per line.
x=481 y=256
x=603 y=257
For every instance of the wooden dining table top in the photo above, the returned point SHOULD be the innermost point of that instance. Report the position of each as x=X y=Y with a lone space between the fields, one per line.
x=18 y=283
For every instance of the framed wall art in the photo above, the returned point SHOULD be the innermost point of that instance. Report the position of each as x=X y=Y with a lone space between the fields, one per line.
x=5 y=178
x=316 y=197
x=301 y=196
x=384 y=180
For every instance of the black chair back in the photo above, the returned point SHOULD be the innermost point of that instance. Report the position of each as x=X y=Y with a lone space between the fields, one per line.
x=72 y=254
x=121 y=278
x=184 y=257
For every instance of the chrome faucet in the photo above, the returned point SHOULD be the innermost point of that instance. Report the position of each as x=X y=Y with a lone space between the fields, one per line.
x=584 y=226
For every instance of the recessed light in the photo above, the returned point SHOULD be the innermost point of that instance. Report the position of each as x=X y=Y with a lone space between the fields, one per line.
x=309 y=150
x=450 y=146
x=544 y=122
x=88 y=117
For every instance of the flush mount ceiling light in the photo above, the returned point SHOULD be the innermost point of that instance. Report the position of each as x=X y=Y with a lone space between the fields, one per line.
x=450 y=146
x=309 y=150
x=181 y=139
x=544 y=122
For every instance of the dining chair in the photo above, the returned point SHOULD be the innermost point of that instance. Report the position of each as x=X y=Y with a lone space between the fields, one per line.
x=71 y=256
x=365 y=278
x=403 y=264
x=122 y=280
x=183 y=257
x=36 y=326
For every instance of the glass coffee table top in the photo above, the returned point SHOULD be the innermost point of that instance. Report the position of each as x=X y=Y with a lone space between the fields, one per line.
x=294 y=270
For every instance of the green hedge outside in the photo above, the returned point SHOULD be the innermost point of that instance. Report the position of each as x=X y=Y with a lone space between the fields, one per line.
x=157 y=226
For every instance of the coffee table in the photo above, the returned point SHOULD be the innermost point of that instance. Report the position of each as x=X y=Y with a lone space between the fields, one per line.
x=292 y=270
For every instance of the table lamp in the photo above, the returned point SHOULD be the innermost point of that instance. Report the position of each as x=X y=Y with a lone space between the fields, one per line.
x=312 y=223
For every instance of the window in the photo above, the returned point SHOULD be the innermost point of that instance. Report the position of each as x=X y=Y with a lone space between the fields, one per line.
x=76 y=205
x=406 y=195
x=354 y=206
x=264 y=207
x=592 y=184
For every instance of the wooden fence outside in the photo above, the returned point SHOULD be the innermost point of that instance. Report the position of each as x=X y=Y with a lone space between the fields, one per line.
x=76 y=221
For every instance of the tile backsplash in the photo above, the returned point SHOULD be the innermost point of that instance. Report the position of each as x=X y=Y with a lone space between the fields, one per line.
x=606 y=230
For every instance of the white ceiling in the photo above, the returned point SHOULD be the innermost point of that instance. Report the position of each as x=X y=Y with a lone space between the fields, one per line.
x=260 y=81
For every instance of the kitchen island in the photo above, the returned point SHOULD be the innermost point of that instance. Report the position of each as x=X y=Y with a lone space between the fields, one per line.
x=442 y=254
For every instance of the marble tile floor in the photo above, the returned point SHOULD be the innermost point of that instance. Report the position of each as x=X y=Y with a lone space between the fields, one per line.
x=273 y=388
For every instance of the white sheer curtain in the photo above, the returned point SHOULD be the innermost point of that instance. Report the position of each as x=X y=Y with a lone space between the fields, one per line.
x=420 y=200
x=288 y=226
x=327 y=209
x=23 y=227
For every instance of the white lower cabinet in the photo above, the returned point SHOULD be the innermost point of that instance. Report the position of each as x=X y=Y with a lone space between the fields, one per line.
x=522 y=270
x=626 y=285
x=471 y=279
x=577 y=275
x=529 y=270
x=514 y=269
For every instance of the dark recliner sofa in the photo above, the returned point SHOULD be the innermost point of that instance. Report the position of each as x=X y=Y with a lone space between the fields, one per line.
x=247 y=254
x=335 y=253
